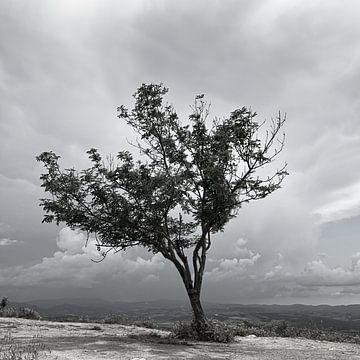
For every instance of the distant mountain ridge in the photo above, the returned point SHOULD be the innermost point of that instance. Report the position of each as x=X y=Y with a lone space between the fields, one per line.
x=100 y=302
x=340 y=317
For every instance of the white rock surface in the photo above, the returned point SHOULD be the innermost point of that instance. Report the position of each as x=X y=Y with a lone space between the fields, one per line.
x=77 y=341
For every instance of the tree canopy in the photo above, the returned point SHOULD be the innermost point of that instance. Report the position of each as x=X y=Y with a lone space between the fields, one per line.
x=192 y=179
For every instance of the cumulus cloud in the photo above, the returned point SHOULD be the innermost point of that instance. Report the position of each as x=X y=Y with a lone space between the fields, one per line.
x=71 y=242
x=71 y=266
x=7 y=242
x=236 y=267
x=317 y=273
x=317 y=279
x=272 y=273
x=241 y=251
x=277 y=270
x=317 y=282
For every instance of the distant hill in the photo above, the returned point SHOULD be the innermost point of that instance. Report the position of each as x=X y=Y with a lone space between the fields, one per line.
x=341 y=317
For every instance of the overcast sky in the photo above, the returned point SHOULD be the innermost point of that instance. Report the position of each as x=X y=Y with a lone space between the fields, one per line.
x=65 y=65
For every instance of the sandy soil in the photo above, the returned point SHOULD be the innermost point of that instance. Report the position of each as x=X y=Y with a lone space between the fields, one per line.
x=75 y=341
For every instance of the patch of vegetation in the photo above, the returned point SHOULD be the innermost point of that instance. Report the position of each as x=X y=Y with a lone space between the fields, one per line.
x=8 y=310
x=121 y=319
x=225 y=332
x=96 y=327
x=12 y=350
x=158 y=339
x=4 y=302
x=196 y=178
x=275 y=328
x=282 y=328
x=216 y=331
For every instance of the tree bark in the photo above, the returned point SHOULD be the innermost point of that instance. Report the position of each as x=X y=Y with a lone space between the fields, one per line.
x=200 y=322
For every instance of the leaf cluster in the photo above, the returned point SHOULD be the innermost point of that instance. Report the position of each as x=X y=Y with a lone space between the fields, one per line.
x=194 y=179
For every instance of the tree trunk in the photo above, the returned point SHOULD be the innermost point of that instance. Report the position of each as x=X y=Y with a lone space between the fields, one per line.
x=200 y=321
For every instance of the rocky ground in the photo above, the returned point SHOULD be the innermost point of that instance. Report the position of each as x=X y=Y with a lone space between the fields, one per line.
x=91 y=341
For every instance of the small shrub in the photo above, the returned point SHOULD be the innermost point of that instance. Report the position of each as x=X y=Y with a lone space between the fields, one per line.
x=220 y=332
x=27 y=313
x=121 y=319
x=146 y=323
x=4 y=302
x=158 y=339
x=11 y=350
x=96 y=327
x=278 y=328
x=284 y=329
x=183 y=330
x=7 y=310
x=216 y=331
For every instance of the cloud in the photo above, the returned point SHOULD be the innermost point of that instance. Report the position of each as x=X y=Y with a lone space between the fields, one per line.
x=228 y=268
x=241 y=251
x=280 y=271
x=272 y=273
x=72 y=266
x=344 y=203
x=66 y=67
x=7 y=242
x=317 y=282
x=71 y=242
x=317 y=274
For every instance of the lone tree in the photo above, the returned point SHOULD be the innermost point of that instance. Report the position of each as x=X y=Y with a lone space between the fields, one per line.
x=194 y=180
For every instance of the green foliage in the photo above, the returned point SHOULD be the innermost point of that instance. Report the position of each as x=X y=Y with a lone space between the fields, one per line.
x=28 y=313
x=4 y=302
x=124 y=320
x=282 y=328
x=119 y=319
x=22 y=312
x=215 y=331
x=195 y=179
x=226 y=331
x=206 y=172
x=96 y=328
x=10 y=349
x=158 y=339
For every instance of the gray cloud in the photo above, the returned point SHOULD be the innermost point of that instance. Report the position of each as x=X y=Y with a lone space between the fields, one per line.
x=137 y=273
x=7 y=242
x=71 y=266
x=64 y=67
x=317 y=273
